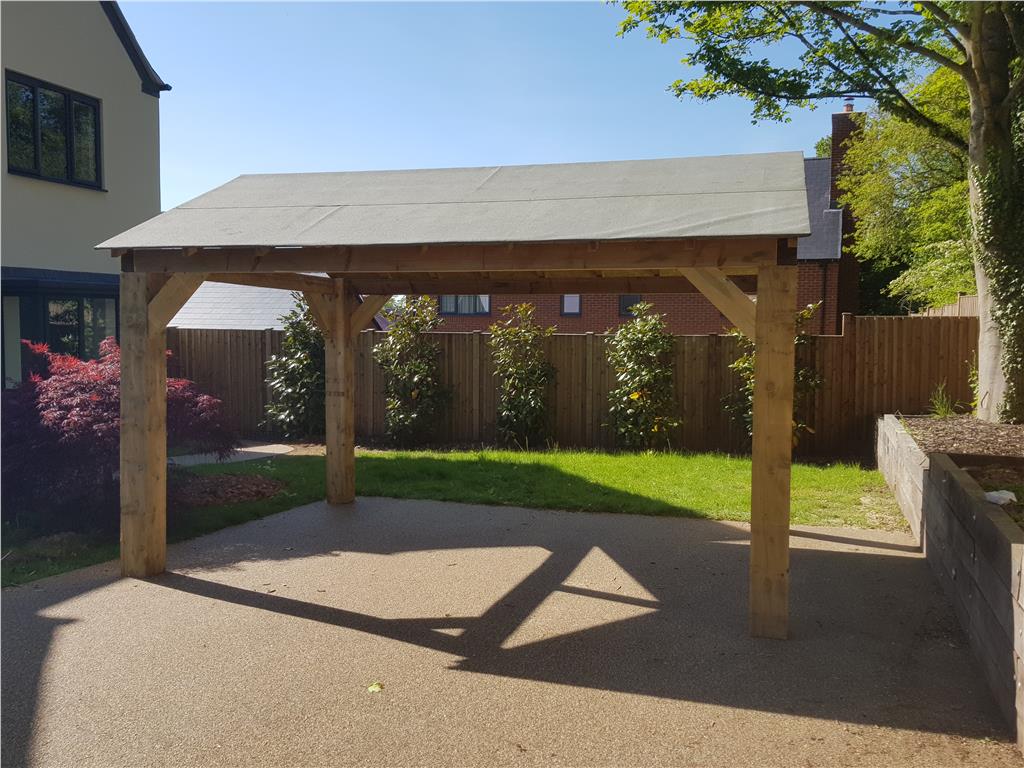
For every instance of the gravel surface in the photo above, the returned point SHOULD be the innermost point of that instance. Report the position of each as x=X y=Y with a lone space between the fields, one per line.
x=392 y=632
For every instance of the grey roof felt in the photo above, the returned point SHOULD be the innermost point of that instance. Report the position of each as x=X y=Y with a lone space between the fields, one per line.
x=225 y=306
x=725 y=196
x=826 y=238
x=243 y=307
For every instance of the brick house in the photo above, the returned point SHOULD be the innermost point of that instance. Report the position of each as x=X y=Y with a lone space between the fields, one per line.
x=827 y=273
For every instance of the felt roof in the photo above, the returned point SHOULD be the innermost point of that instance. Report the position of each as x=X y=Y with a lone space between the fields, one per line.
x=706 y=197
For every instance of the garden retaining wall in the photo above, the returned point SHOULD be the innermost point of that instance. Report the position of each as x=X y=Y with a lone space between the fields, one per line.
x=975 y=550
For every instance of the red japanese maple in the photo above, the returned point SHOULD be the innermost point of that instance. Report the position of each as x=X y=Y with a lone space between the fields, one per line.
x=61 y=430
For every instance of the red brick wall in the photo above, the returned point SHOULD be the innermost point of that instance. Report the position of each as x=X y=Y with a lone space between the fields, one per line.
x=686 y=313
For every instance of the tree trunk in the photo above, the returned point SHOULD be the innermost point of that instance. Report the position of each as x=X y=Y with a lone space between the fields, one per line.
x=991 y=379
x=996 y=197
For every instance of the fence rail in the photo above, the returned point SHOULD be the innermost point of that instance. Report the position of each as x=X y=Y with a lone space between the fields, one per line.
x=964 y=306
x=878 y=365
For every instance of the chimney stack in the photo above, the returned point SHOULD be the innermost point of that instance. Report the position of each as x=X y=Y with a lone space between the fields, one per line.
x=843 y=125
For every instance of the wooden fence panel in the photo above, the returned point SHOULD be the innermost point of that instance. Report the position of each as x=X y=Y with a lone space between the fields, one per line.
x=878 y=365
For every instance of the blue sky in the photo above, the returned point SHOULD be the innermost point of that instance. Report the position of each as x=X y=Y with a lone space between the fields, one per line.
x=281 y=87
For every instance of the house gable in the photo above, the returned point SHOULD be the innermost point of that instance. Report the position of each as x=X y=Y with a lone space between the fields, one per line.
x=151 y=82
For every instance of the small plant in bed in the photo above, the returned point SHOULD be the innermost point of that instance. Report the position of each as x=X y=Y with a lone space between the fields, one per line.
x=941 y=405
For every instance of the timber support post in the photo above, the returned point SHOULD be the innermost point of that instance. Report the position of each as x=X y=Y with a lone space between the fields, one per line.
x=772 y=451
x=143 y=431
x=148 y=303
x=339 y=394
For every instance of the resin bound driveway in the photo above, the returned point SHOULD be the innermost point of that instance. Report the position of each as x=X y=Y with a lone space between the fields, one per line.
x=501 y=636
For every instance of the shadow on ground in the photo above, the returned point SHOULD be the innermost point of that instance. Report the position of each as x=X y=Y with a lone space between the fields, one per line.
x=872 y=639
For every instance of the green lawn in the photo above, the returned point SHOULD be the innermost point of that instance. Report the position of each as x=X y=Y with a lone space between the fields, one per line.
x=704 y=485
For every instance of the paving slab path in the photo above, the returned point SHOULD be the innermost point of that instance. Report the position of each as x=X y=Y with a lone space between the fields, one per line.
x=249 y=451
x=498 y=636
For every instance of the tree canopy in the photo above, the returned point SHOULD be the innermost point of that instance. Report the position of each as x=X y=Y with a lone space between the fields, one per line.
x=908 y=193
x=836 y=50
x=792 y=54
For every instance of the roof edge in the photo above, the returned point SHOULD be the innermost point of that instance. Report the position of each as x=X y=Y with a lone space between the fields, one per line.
x=152 y=84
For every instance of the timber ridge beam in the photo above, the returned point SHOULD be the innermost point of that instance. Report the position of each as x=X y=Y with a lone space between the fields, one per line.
x=740 y=255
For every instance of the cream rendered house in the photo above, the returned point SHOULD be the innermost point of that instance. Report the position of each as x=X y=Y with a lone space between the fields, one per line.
x=81 y=162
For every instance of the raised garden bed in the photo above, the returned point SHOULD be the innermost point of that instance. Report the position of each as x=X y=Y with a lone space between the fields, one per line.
x=975 y=547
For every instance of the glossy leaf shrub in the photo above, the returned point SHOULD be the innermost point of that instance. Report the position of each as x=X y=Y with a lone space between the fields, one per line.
x=410 y=360
x=296 y=377
x=641 y=405
x=740 y=404
x=523 y=372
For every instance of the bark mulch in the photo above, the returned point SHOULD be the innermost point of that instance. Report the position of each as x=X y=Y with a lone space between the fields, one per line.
x=1003 y=477
x=208 y=490
x=965 y=434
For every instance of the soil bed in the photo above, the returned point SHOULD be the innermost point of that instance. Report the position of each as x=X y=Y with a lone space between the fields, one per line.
x=998 y=473
x=965 y=434
x=208 y=490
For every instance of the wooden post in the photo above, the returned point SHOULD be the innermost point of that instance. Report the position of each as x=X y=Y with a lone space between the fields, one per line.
x=143 y=431
x=339 y=395
x=772 y=452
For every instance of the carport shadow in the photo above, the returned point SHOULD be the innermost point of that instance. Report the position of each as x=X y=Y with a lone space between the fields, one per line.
x=873 y=640
x=865 y=663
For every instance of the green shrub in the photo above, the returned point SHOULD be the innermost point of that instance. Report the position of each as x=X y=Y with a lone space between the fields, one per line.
x=517 y=346
x=410 y=360
x=296 y=377
x=641 y=404
x=740 y=404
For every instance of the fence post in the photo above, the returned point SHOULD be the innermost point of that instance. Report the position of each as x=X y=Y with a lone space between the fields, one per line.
x=477 y=384
x=588 y=394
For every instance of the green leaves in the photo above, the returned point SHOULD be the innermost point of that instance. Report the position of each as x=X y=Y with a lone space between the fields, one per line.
x=818 y=50
x=909 y=195
x=517 y=347
x=296 y=377
x=740 y=404
x=641 y=406
x=414 y=396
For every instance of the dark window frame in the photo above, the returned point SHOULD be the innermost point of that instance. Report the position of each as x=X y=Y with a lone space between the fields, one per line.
x=456 y=313
x=70 y=97
x=69 y=291
x=627 y=300
x=578 y=312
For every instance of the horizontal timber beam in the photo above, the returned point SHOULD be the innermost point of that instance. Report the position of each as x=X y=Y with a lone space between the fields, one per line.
x=286 y=281
x=740 y=254
x=422 y=284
